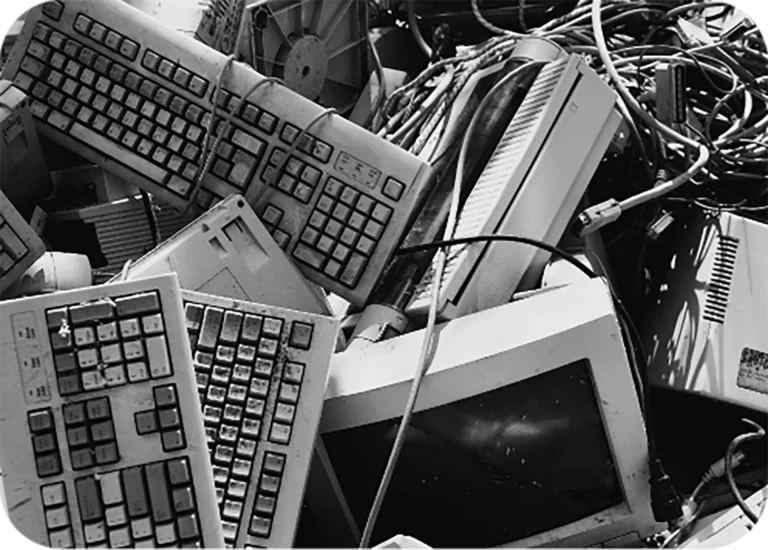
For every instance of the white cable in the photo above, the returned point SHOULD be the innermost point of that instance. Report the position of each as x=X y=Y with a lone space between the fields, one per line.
x=424 y=363
x=667 y=186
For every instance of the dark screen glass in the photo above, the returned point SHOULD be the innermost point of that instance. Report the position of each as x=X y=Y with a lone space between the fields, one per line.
x=488 y=470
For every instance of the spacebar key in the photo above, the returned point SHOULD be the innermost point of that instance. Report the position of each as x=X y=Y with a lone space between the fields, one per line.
x=111 y=149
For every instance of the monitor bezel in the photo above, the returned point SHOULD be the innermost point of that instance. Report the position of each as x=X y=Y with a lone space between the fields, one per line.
x=540 y=333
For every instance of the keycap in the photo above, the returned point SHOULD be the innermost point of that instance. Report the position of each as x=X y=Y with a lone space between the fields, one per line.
x=265 y=505
x=252 y=328
x=158 y=492
x=157 y=355
x=48 y=465
x=98 y=409
x=116 y=515
x=178 y=471
x=90 y=312
x=210 y=329
x=188 y=527
x=260 y=527
x=106 y=453
x=308 y=256
x=135 y=493
x=95 y=532
x=165 y=396
x=40 y=421
x=111 y=490
x=54 y=494
x=88 y=499
x=301 y=335
x=148 y=302
x=280 y=433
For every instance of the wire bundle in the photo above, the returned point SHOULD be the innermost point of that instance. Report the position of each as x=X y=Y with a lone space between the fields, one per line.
x=727 y=123
x=727 y=93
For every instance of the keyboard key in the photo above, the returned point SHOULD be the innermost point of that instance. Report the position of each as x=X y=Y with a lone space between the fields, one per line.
x=158 y=493
x=135 y=494
x=354 y=269
x=38 y=50
x=381 y=213
x=32 y=66
x=111 y=490
x=198 y=86
x=113 y=41
x=260 y=527
x=146 y=422
x=280 y=433
x=129 y=49
x=308 y=256
x=40 y=421
x=48 y=465
x=89 y=500
x=97 y=32
x=61 y=539
x=301 y=335
x=157 y=356
x=95 y=533
x=82 y=24
x=116 y=515
x=393 y=189
x=178 y=471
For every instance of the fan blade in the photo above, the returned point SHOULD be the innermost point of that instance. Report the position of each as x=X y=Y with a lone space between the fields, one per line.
x=257 y=52
x=317 y=12
x=345 y=47
x=297 y=19
x=327 y=32
x=275 y=23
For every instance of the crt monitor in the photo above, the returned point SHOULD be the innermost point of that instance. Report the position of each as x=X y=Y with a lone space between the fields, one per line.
x=528 y=430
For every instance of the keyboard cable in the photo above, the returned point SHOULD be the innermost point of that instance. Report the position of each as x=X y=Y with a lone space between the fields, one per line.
x=207 y=155
x=425 y=356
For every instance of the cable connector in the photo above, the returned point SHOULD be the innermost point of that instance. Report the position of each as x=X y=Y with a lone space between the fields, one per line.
x=670 y=98
x=666 y=504
x=717 y=470
x=658 y=226
x=597 y=216
x=736 y=26
x=693 y=35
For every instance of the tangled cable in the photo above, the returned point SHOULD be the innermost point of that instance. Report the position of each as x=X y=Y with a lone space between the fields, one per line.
x=624 y=42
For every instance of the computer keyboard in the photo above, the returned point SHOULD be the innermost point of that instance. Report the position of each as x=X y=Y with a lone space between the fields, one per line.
x=261 y=376
x=101 y=438
x=20 y=246
x=138 y=99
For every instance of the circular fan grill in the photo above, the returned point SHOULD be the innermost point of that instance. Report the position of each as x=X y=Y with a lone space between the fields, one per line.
x=317 y=47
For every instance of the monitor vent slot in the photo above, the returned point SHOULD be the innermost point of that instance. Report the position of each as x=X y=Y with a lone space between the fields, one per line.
x=506 y=159
x=719 y=286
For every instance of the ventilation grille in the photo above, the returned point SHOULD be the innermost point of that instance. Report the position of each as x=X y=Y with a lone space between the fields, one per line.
x=500 y=169
x=719 y=286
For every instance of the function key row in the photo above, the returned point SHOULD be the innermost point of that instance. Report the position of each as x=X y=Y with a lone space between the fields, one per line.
x=102 y=310
x=170 y=71
x=105 y=36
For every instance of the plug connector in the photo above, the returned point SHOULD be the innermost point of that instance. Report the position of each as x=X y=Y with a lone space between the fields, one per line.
x=658 y=226
x=666 y=504
x=736 y=26
x=670 y=98
x=597 y=216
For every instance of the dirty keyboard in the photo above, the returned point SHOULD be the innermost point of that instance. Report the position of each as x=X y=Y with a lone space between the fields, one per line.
x=261 y=376
x=102 y=440
x=117 y=87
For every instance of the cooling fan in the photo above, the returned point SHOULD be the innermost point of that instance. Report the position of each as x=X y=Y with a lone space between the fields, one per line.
x=317 y=47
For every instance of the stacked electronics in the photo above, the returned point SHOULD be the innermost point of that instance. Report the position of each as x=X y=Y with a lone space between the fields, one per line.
x=175 y=374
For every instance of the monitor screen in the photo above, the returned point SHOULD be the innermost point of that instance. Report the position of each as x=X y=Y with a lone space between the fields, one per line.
x=488 y=470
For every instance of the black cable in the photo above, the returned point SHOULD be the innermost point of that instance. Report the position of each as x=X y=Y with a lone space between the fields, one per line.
x=150 y=212
x=625 y=319
x=570 y=258
x=738 y=440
